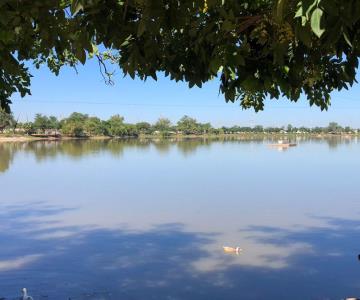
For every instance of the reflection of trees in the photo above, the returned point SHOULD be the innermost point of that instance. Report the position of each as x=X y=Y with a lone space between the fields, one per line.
x=336 y=141
x=78 y=149
x=75 y=149
x=162 y=145
x=333 y=142
x=6 y=156
x=188 y=146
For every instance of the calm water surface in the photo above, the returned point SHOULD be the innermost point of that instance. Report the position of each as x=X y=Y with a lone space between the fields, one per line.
x=148 y=219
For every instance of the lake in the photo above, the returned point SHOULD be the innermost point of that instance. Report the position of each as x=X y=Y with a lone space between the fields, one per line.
x=147 y=219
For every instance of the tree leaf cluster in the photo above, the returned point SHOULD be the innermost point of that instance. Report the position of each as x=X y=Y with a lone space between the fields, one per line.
x=257 y=49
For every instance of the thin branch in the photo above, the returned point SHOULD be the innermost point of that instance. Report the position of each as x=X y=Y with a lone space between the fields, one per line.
x=106 y=75
x=67 y=13
x=249 y=21
x=125 y=10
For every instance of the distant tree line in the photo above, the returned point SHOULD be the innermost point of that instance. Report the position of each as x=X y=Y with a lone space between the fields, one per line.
x=83 y=125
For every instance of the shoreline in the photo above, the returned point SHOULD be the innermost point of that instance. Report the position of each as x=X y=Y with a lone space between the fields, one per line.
x=25 y=138
x=28 y=138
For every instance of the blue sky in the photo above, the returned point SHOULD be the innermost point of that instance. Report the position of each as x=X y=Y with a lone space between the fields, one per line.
x=86 y=92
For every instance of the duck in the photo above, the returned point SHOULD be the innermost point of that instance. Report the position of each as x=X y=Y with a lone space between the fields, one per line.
x=235 y=250
x=25 y=295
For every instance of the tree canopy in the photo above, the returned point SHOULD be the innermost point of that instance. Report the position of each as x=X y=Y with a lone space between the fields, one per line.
x=6 y=119
x=83 y=125
x=256 y=49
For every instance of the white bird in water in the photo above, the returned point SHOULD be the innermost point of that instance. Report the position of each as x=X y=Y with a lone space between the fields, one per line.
x=25 y=295
x=235 y=250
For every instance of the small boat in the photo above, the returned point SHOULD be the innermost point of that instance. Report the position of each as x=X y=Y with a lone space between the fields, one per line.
x=282 y=144
x=235 y=250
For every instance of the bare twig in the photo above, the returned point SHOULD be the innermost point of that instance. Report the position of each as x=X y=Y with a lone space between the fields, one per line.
x=106 y=75
x=67 y=13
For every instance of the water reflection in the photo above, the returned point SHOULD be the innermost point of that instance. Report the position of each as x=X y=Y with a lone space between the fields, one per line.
x=6 y=156
x=159 y=263
x=142 y=219
x=95 y=260
x=78 y=149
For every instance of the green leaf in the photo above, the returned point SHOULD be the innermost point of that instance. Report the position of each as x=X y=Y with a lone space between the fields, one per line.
x=315 y=22
x=250 y=83
x=153 y=75
x=310 y=8
x=215 y=65
x=240 y=60
x=299 y=13
x=347 y=38
x=126 y=42
x=227 y=26
x=81 y=55
x=76 y=6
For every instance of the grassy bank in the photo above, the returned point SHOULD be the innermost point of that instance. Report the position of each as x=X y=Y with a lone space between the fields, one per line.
x=27 y=138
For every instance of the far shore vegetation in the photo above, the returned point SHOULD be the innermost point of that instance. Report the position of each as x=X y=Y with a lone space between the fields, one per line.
x=79 y=125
